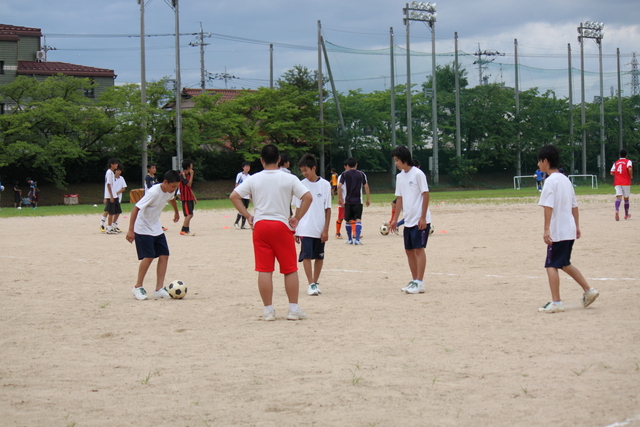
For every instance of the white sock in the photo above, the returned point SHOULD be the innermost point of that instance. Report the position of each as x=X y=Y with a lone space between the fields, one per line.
x=293 y=307
x=268 y=309
x=419 y=282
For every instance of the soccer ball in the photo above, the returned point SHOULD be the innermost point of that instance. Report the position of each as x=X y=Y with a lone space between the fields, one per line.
x=431 y=229
x=384 y=229
x=177 y=289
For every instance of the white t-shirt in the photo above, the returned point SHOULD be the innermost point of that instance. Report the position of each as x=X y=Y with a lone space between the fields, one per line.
x=271 y=192
x=240 y=178
x=109 y=177
x=411 y=186
x=118 y=184
x=558 y=194
x=313 y=222
x=151 y=206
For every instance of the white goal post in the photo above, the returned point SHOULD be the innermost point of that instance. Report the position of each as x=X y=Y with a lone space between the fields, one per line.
x=594 y=180
x=516 y=180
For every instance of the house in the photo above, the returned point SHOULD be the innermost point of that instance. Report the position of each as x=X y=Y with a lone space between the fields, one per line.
x=22 y=54
x=187 y=102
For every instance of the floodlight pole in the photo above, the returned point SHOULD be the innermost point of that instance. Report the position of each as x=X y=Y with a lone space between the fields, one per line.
x=178 y=86
x=619 y=100
x=434 y=101
x=409 y=118
x=602 y=140
x=143 y=95
x=457 y=81
x=582 y=108
x=571 y=136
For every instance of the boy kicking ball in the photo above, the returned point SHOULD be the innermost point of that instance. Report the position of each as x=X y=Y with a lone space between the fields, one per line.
x=145 y=228
x=561 y=229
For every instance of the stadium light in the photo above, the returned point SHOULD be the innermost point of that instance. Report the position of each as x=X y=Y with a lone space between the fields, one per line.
x=595 y=31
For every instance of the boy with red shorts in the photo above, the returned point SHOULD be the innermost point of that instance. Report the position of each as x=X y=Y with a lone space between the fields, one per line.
x=271 y=191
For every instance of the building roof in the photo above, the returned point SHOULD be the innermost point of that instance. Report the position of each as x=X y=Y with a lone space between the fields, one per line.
x=53 y=68
x=14 y=30
x=227 y=94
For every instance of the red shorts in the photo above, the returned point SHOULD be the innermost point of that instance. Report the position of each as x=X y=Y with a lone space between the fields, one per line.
x=274 y=240
x=340 y=212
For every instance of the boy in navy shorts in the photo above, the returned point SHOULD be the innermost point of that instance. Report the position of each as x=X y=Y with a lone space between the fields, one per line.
x=561 y=229
x=145 y=228
x=412 y=191
x=271 y=191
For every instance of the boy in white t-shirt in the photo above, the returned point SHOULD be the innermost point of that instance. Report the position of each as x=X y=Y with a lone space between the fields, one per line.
x=412 y=191
x=110 y=202
x=271 y=191
x=145 y=228
x=313 y=230
x=561 y=229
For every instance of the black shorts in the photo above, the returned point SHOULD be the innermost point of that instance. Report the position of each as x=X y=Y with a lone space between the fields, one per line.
x=559 y=254
x=311 y=248
x=415 y=238
x=151 y=246
x=187 y=207
x=352 y=212
x=113 y=208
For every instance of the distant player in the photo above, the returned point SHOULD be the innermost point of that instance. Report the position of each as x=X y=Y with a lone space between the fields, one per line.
x=240 y=178
x=111 y=204
x=340 y=219
x=351 y=183
x=561 y=229
x=187 y=197
x=313 y=229
x=271 y=192
x=412 y=191
x=146 y=230
x=622 y=171
x=334 y=182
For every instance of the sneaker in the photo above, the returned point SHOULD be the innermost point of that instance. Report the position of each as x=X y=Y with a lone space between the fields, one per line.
x=269 y=316
x=164 y=228
x=296 y=315
x=187 y=233
x=162 y=293
x=357 y=242
x=236 y=225
x=407 y=287
x=338 y=236
x=552 y=307
x=116 y=229
x=102 y=229
x=244 y=227
x=110 y=230
x=627 y=216
x=415 y=288
x=617 y=216
x=349 y=242
x=313 y=290
x=139 y=293
x=589 y=297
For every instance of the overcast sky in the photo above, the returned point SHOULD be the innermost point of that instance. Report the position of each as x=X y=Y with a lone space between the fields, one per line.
x=242 y=29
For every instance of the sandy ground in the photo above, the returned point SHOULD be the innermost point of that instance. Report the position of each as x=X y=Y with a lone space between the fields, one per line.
x=78 y=350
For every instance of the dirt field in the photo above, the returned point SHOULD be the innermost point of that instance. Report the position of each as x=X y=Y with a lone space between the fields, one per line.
x=78 y=349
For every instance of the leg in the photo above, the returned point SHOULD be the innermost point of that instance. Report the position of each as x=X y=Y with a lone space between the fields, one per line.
x=291 y=286
x=317 y=268
x=626 y=208
x=265 y=286
x=577 y=276
x=187 y=221
x=306 y=263
x=142 y=270
x=417 y=262
x=554 y=283
x=161 y=271
x=413 y=263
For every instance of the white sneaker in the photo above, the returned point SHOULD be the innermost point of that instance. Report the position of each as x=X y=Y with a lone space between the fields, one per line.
x=236 y=225
x=552 y=307
x=296 y=315
x=110 y=230
x=415 y=288
x=357 y=242
x=313 y=290
x=269 y=316
x=407 y=287
x=349 y=242
x=589 y=297
x=162 y=293
x=139 y=293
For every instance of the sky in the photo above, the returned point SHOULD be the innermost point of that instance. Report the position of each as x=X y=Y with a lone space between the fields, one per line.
x=105 y=34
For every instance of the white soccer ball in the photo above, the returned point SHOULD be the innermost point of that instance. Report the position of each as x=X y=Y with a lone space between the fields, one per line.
x=384 y=229
x=431 y=229
x=19 y=207
x=95 y=206
x=177 y=289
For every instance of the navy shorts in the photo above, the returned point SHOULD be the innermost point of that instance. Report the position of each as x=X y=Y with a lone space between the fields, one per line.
x=352 y=212
x=113 y=208
x=415 y=238
x=559 y=254
x=151 y=246
x=311 y=248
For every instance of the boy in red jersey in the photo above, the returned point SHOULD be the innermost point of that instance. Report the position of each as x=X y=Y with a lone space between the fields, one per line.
x=622 y=171
x=186 y=196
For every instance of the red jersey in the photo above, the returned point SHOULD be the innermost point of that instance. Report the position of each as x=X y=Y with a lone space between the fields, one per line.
x=620 y=171
x=185 y=191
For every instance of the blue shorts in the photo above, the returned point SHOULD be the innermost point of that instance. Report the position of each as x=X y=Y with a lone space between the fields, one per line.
x=559 y=254
x=311 y=248
x=415 y=238
x=151 y=246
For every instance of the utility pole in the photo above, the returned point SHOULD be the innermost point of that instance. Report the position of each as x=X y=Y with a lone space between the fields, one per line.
x=143 y=94
x=393 y=104
x=635 y=81
x=517 y=94
x=222 y=76
x=271 y=66
x=482 y=63
x=457 y=82
x=176 y=9
x=407 y=22
x=321 y=99
x=200 y=42
x=571 y=137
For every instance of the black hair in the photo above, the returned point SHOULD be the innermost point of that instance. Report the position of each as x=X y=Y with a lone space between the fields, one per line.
x=308 y=160
x=172 y=176
x=150 y=165
x=416 y=163
x=246 y=163
x=333 y=170
x=346 y=162
x=403 y=154
x=119 y=168
x=186 y=163
x=111 y=161
x=550 y=153
x=270 y=154
x=284 y=158
x=623 y=153
x=351 y=162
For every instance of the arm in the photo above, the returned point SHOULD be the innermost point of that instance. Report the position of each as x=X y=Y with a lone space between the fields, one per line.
x=422 y=222
x=546 y=235
x=340 y=202
x=110 y=192
x=576 y=217
x=630 y=172
x=236 y=199
x=132 y=221
x=327 y=220
x=176 y=213
x=305 y=202
x=393 y=225
x=366 y=189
